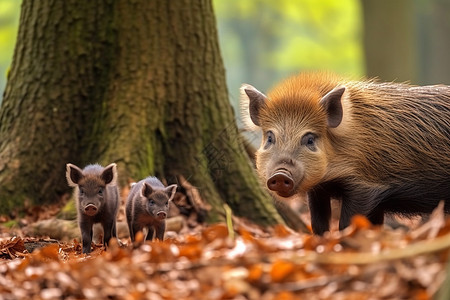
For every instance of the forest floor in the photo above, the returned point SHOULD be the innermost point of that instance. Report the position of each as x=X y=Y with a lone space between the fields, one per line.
x=232 y=260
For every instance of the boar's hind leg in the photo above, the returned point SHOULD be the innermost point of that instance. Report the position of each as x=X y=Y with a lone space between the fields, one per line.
x=320 y=209
x=361 y=201
x=376 y=216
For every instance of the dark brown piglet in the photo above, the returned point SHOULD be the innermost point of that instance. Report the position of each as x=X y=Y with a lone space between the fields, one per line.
x=97 y=199
x=148 y=206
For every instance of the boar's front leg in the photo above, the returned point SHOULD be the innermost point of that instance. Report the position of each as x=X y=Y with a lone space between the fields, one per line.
x=86 y=235
x=320 y=210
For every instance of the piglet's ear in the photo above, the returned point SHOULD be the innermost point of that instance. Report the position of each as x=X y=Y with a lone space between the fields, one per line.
x=252 y=101
x=146 y=190
x=73 y=175
x=171 y=190
x=109 y=174
x=332 y=103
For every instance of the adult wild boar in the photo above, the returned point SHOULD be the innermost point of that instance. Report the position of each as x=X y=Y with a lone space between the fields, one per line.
x=378 y=147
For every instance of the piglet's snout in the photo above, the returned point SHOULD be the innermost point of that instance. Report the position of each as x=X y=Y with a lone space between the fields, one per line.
x=90 y=210
x=161 y=215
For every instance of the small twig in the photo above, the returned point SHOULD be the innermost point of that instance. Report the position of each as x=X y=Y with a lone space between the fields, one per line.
x=228 y=214
x=309 y=283
x=419 y=248
x=193 y=195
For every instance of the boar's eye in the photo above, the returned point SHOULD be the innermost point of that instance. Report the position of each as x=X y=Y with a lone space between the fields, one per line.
x=309 y=140
x=270 y=139
x=152 y=202
x=81 y=191
x=100 y=192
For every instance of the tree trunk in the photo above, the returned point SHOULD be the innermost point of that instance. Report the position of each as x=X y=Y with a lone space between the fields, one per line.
x=389 y=40
x=52 y=98
x=140 y=83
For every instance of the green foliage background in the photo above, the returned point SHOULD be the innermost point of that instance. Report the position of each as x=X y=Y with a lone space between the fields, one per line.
x=265 y=41
x=9 y=21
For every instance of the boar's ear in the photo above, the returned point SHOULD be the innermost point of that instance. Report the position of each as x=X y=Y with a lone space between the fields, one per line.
x=146 y=190
x=252 y=101
x=73 y=175
x=109 y=174
x=171 y=190
x=332 y=103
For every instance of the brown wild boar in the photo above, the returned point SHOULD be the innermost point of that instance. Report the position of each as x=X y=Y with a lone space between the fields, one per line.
x=97 y=199
x=147 y=207
x=378 y=147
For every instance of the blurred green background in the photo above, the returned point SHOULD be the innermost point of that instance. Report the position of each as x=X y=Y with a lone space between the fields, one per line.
x=266 y=40
x=9 y=22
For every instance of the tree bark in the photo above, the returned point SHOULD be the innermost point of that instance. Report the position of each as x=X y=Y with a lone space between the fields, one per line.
x=49 y=105
x=139 y=83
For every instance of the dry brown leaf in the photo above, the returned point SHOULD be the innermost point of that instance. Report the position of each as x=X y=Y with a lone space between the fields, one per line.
x=12 y=248
x=281 y=270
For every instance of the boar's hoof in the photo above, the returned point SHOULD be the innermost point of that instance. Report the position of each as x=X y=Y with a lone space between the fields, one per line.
x=281 y=183
x=161 y=215
x=90 y=210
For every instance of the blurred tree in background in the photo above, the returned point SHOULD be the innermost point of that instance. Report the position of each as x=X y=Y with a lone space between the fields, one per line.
x=433 y=41
x=407 y=40
x=389 y=38
x=265 y=41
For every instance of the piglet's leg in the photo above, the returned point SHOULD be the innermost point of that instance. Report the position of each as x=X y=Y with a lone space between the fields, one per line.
x=114 y=230
x=160 y=229
x=108 y=231
x=135 y=229
x=86 y=235
x=150 y=233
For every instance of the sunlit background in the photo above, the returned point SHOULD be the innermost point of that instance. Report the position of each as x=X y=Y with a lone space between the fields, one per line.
x=266 y=40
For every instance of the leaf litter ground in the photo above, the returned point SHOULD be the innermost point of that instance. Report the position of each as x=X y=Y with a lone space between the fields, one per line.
x=208 y=262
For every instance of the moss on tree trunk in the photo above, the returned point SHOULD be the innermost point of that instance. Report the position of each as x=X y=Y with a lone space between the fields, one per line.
x=140 y=83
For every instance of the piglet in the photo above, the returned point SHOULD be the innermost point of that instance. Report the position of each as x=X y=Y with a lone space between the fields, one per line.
x=147 y=207
x=97 y=199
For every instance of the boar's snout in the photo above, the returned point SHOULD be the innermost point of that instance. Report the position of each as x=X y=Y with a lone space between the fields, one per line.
x=161 y=215
x=90 y=210
x=282 y=183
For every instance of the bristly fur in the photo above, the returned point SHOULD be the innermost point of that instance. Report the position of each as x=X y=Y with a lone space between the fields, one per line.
x=390 y=153
x=394 y=128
